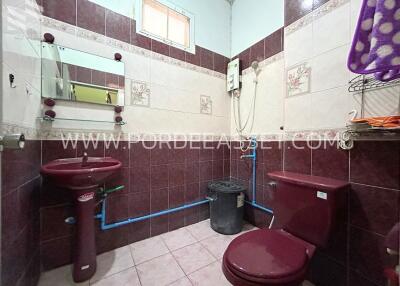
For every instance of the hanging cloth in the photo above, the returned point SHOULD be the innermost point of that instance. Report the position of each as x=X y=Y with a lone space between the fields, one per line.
x=376 y=44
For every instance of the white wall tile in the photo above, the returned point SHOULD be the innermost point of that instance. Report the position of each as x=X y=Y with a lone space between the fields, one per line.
x=298 y=113
x=299 y=45
x=329 y=70
x=332 y=30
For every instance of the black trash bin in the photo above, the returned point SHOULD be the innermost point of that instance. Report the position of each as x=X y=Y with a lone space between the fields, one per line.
x=226 y=206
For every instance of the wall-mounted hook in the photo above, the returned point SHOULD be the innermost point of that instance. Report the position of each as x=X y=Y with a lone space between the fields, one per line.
x=12 y=79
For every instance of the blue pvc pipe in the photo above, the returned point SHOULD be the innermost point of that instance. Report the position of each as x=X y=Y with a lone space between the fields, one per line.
x=253 y=156
x=105 y=226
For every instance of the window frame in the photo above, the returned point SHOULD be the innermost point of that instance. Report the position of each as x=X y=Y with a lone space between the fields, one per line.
x=169 y=5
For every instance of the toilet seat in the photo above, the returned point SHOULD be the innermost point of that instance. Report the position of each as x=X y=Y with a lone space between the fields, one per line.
x=267 y=257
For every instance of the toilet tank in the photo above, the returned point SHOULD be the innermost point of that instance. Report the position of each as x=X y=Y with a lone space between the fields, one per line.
x=308 y=206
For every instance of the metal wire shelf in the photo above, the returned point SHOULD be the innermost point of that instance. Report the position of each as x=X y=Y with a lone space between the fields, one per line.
x=363 y=83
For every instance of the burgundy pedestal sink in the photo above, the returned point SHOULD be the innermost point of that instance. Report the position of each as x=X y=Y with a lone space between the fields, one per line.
x=82 y=176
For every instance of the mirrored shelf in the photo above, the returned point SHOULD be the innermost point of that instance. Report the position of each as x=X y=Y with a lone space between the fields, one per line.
x=50 y=119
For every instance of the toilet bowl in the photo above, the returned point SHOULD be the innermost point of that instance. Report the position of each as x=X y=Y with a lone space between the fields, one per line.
x=305 y=211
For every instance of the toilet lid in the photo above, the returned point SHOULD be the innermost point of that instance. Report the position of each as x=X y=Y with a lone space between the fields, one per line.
x=266 y=254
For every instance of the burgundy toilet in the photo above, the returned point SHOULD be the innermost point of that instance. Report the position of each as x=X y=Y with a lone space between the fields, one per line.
x=305 y=209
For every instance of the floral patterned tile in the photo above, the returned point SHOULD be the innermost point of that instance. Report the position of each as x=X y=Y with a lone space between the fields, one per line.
x=140 y=93
x=298 y=79
x=205 y=104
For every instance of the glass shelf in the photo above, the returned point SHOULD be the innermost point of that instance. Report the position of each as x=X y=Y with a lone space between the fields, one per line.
x=50 y=119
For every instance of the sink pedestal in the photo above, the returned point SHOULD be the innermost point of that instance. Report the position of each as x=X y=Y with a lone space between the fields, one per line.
x=85 y=245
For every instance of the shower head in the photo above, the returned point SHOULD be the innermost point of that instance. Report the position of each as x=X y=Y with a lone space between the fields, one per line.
x=254 y=65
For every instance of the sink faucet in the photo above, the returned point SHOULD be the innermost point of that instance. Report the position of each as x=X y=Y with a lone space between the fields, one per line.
x=85 y=159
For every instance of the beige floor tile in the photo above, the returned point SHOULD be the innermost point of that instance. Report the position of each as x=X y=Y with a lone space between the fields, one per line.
x=201 y=230
x=182 y=282
x=127 y=277
x=160 y=271
x=209 y=275
x=178 y=238
x=217 y=245
x=112 y=262
x=61 y=277
x=148 y=249
x=193 y=257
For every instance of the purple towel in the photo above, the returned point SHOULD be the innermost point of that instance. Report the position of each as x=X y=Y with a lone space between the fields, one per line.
x=376 y=43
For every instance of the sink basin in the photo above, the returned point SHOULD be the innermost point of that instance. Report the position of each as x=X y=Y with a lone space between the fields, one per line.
x=80 y=173
x=83 y=176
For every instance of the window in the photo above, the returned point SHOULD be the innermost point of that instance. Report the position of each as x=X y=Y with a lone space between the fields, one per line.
x=165 y=22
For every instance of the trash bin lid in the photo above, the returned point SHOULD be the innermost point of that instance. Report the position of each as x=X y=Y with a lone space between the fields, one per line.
x=226 y=187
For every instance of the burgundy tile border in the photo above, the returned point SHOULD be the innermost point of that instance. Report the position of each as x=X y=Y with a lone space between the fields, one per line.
x=262 y=50
x=122 y=28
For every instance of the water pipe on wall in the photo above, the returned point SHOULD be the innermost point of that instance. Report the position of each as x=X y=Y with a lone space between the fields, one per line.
x=105 y=226
x=253 y=157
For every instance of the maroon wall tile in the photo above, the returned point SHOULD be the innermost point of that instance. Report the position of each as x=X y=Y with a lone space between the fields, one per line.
x=257 y=51
x=138 y=39
x=158 y=200
x=367 y=254
x=140 y=179
x=54 y=149
x=272 y=157
x=98 y=78
x=139 y=231
x=71 y=71
x=52 y=257
x=177 y=154
x=160 y=154
x=194 y=59
x=93 y=148
x=274 y=43
x=376 y=163
x=139 y=155
x=120 y=178
x=192 y=172
x=83 y=75
x=25 y=163
x=192 y=193
x=325 y=271
x=159 y=177
x=176 y=53
x=217 y=170
x=374 y=209
x=330 y=161
x=139 y=204
x=52 y=222
x=117 y=208
x=206 y=172
x=112 y=80
x=64 y=11
x=118 y=26
x=206 y=58
x=297 y=157
x=160 y=48
x=220 y=63
x=176 y=196
x=176 y=175
x=204 y=212
x=176 y=220
x=112 y=238
x=158 y=225
x=244 y=58
x=206 y=151
x=91 y=16
x=191 y=216
x=119 y=150
x=296 y=9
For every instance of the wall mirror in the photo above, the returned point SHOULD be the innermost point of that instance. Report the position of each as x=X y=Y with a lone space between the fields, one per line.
x=72 y=75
